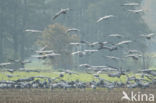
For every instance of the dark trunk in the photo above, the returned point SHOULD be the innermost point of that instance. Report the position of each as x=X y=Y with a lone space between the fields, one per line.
x=1 y=46
x=22 y=51
x=1 y=33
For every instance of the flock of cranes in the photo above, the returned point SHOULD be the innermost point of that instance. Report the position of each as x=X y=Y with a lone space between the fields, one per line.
x=145 y=81
x=95 y=71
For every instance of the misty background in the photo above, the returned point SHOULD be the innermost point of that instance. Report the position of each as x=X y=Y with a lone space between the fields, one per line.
x=149 y=17
x=17 y=16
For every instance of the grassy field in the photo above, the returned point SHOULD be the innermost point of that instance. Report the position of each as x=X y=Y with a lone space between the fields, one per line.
x=84 y=77
x=47 y=71
x=63 y=96
x=68 y=96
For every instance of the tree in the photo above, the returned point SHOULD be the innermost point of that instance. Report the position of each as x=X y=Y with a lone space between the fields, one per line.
x=1 y=31
x=16 y=16
x=56 y=38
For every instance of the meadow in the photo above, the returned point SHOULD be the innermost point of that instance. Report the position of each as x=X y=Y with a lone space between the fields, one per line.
x=100 y=95
x=47 y=71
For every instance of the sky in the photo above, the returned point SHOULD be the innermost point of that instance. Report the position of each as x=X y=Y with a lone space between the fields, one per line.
x=150 y=18
x=150 y=13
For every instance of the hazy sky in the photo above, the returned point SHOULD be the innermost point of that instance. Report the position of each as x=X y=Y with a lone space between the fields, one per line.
x=150 y=13
x=150 y=17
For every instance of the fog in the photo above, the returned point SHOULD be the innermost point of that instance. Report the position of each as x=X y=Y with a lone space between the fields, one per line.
x=149 y=17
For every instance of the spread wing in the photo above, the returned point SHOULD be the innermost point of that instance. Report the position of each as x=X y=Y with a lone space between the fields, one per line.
x=57 y=14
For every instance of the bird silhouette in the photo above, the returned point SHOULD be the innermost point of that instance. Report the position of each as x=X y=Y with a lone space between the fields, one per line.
x=72 y=30
x=33 y=31
x=115 y=35
x=148 y=36
x=104 y=18
x=136 y=11
x=131 y=4
x=62 y=11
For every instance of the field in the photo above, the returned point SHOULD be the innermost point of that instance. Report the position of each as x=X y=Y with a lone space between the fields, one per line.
x=68 y=96
x=47 y=71
x=100 y=95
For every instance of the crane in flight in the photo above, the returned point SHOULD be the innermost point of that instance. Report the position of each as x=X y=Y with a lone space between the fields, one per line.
x=131 y=4
x=104 y=18
x=136 y=11
x=62 y=11
x=148 y=36
x=73 y=30
x=33 y=31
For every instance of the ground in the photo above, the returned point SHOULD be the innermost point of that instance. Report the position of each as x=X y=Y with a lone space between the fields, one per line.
x=68 y=96
x=64 y=96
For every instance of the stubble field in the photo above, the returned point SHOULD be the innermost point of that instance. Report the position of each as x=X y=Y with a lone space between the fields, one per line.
x=68 y=96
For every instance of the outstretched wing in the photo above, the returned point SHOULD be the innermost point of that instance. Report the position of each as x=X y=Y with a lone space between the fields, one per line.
x=152 y=34
x=57 y=14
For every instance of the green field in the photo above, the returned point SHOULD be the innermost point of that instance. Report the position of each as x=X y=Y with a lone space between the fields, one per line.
x=48 y=71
